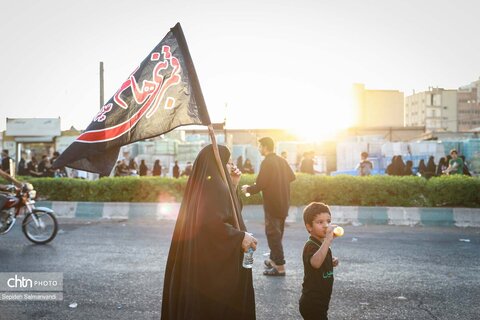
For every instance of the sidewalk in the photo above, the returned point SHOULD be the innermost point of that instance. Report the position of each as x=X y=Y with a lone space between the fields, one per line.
x=400 y=216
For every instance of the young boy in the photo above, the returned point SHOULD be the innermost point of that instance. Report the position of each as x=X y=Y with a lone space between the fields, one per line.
x=318 y=262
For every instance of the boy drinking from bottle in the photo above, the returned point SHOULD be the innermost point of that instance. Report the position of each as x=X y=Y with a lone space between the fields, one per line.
x=318 y=262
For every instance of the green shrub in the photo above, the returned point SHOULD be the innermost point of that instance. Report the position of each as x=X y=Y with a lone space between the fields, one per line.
x=450 y=191
x=453 y=191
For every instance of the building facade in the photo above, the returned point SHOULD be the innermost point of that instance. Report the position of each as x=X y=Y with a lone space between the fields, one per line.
x=435 y=109
x=28 y=137
x=378 y=108
x=468 y=105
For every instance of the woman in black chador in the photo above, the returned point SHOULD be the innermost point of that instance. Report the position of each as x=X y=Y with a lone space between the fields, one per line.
x=204 y=277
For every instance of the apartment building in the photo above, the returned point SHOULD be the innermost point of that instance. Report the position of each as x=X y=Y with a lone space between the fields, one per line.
x=468 y=105
x=435 y=109
x=378 y=108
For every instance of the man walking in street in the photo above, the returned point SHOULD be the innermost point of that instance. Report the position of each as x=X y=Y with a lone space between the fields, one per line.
x=274 y=181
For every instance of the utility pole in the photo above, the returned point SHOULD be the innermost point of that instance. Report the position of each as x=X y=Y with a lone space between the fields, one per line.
x=101 y=94
x=101 y=85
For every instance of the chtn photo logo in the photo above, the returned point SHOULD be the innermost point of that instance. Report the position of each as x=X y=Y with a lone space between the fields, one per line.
x=22 y=282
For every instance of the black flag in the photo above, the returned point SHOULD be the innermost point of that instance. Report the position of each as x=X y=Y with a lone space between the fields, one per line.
x=162 y=94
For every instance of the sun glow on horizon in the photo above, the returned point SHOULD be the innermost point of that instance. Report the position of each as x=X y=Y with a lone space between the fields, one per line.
x=312 y=112
x=317 y=133
x=326 y=121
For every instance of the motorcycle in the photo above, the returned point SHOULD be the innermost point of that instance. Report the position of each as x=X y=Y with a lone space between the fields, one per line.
x=40 y=225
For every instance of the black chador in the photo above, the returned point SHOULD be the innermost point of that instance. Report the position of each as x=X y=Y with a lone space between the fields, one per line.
x=204 y=277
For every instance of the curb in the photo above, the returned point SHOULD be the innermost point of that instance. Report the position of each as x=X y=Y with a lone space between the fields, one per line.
x=399 y=216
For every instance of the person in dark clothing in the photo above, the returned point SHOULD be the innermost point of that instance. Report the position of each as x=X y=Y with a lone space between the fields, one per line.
x=4 y=188
x=398 y=166
x=248 y=167
x=45 y=167
x=240 y=163
x=466 y=171
x=176 y=170
x=60 y=172
x=157 y=168
x=22 y=167
x=116 y=170
x=132 y=167
x=42 y=166
x=10 y=188
x=121 y=169
x=188 y=169
x=318 y=263
x=431 y=167
x=273 y=181
x=390 y=168
x=422 y=168
x=204 y=277
x=5 y=161
x=442 y=165
x=449 y=157
x=307 y=164
x=408 y=168
x=143 y=169
x=32 y=168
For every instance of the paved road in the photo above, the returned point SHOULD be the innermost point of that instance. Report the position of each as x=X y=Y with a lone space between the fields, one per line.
x=114 y=270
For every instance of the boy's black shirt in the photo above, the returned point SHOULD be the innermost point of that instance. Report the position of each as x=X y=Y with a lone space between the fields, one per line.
x=317 y=283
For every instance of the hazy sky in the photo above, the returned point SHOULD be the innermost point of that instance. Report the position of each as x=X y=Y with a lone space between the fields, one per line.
x=275 y=63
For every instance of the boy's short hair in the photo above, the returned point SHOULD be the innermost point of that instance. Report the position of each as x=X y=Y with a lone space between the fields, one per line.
x=314 y=209
x=453 y=151
x=364 y=154
x=267 y=142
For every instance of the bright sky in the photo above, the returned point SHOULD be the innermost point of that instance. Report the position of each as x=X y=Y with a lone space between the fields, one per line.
x=276 y=63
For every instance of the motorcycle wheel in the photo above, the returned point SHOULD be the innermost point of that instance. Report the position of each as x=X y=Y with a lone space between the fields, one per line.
x=43 y=232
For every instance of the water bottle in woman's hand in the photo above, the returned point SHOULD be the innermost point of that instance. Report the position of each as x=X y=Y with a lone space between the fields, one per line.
x=248 y=259
x=248 y=255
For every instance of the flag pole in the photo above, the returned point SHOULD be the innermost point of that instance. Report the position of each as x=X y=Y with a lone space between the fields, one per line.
x=203 y=112
x=223 y=174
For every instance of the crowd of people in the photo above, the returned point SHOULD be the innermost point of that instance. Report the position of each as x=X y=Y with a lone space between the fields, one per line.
x=122 y=169
x=245 y=167
x=305 y=163
x=34 y=168
x=451 y=164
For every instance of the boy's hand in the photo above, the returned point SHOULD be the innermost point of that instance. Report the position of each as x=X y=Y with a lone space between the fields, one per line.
x=329 y=235
x=335 y=261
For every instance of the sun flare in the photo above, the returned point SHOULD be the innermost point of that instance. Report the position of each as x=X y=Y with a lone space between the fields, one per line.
x=325 y=122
